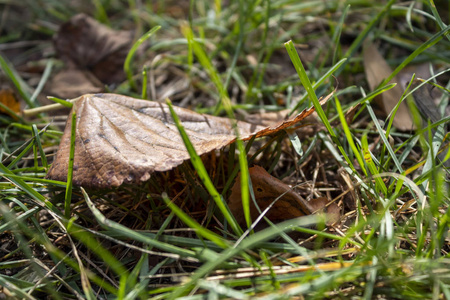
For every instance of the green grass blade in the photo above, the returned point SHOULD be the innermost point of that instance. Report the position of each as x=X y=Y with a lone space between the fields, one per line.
x=42 y=181
x=226 y=104
x=432 y=41
x=17 y=291
x=245 y=178
x=207 y=65
x=27 y=214
x=63 y=102
x=322 y=79
x=12 y=113
x=408 y=16
x=437 y=17
x=337 y=33
x=239 y=27
x=39 y=145
x=18 y=82
x=13 y=163
x=310 y=90
x=380 y=185
x=120 y=229
x=128 y=59
x=144 y=94
x=362 y=36
x=100 y=13
x=203 y=173
x=43 y=81
x=296 y=61
x=53 y=250
x=247 y=243
x=28 y=189
x=191 y=223
x=349 y=136
x=95 y=246
x=383 y=137
x=68 y=197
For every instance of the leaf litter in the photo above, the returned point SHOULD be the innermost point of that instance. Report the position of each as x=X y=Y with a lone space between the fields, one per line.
x=377 y=69
x=93 y=54
x=259 y=177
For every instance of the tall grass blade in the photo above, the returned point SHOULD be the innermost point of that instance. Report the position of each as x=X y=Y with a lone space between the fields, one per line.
x=68 y=197
x=203 y=173
x=18 y=82
x=132 y=52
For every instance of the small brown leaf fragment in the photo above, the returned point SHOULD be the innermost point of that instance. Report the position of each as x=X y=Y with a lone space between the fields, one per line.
x=292 y=121
x=120 y=139
x=351 y=113
x=407 y=205
x=377 y=69
x=86 y=44
x=267 y=118
x=323 y=205
x=9 y=100
x=266 y=189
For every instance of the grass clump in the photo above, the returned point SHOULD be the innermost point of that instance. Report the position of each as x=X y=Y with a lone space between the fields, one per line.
x=174 y=235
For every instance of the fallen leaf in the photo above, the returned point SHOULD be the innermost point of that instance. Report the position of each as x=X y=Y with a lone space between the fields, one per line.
x=350 y=114
x=377 y=69
x=8 y=99
x=266 y=189
x=421 y=70
x=121 y=139
x=425 y=102
x=67 y=84
x=87 y=44
x=430 y=112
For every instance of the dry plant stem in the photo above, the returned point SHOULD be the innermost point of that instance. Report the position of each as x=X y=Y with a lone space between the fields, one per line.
x=46 y=108
x=84 y=279
x=53 y=273
x=258 y=272
x=99 y=269
x=150 y=252
x=323 y=173
x=313 y=183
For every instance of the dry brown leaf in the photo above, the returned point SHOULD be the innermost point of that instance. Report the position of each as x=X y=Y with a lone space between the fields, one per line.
x=267 y=118
x=120 y=139
x=8 y=99
x=68 y=84
x=266 y=189
x=377 y=69
x=429 y=110
x=350 y=114
x=86 y=44
x=425 y=102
